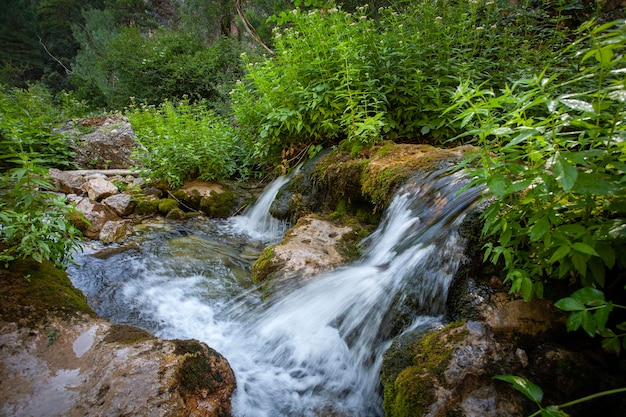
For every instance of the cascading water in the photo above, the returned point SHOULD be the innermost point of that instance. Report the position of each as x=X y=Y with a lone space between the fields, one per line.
x=316 y=347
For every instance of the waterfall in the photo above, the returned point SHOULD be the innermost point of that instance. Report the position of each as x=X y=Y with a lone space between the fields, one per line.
x=314 y=348
x=256 y=221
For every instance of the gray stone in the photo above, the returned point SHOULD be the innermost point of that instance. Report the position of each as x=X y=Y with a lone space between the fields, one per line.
x=122 y=204
x=99 y=188
x=115 y=231
x=97 y=214
x=67 y=182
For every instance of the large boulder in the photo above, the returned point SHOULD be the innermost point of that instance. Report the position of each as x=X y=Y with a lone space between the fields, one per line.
x=115 y=231
x=121 y=204
x=108 y=143
x=100 y=188
x=59 y=359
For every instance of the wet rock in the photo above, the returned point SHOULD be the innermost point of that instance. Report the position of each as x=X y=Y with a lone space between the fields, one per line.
x=121 y=204
x=312 y=246
x=446 y=372
x=99 y=189
x=212 y=199
x=110 y=142
x=519 y=318
x=97 y=214
x=57 y=358
x=67 y=182
x=115 y=231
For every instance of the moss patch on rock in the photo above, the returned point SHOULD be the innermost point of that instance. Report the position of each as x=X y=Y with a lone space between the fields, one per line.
x=128 y=335
x=413 y=371
x=31 y=291
x=198 y=370
x=263 y=267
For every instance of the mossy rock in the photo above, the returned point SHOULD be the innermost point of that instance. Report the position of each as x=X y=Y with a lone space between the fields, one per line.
x=31 y=291
x=198 y=372
x=144 y=207
x=263 y=268
x=128 y=335
x=167 y=204
x=413 y=369
x=218 y=205
x=176 y=214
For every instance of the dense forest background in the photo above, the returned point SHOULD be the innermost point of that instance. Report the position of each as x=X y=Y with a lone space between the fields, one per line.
x=237 y=89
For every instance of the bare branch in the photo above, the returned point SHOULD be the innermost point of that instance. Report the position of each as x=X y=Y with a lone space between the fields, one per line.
x=250 y=29
x=67 y=70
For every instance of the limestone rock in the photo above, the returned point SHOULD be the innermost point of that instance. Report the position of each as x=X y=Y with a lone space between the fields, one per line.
x=308 y=249
x=67 y=182
x=100 y=188
x=121 y=204
x=446 y=373
x=97 y=214
x=519 y=318
x=93 y=367
x=115 y=231
x=212 y=199
x=110 y=144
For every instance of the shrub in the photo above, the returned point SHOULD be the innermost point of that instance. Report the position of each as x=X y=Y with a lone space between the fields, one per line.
x=186 y=141
x=554 y=161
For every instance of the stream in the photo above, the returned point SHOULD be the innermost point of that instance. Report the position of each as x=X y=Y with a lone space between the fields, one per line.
x=313 y=348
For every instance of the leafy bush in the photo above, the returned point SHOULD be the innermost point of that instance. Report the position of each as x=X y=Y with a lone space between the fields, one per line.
x=554 y=161
x=116 y=66
x=186 y=140
x=339 y=75
x=33 y=222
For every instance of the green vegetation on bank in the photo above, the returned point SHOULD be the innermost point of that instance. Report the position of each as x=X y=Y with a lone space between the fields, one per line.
x=541 y=98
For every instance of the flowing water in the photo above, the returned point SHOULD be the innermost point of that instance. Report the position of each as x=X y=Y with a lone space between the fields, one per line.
x=316 y=347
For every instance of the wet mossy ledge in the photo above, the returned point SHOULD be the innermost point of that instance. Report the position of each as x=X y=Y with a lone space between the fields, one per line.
x=31 y=291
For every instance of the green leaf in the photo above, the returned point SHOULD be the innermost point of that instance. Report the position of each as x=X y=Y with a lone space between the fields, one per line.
x=583 y=248
x=539 y=229
x=588 y=323
x=574 y=320
x=569 y=304
x=566 y=174
x=497 y=184
x=589 y=296
x=560 y=253
x=530 y=390
x=601 y=315
x=576 y=104
x=527 y=289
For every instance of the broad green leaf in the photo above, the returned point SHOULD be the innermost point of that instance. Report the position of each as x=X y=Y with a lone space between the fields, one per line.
x=539 y=229
x=589 y=296
x=601 y=315
x=527 y=289
x=569 y=304
x=530 y=390
x=497 y=184
x=583 y=248
x=607 y=254
x=560 y=253
x=574 y=320
x=580 y=263
x=611 y=344
x=588 y=323
x=566 y=174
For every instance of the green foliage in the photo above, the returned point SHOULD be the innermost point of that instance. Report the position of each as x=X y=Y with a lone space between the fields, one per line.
x=35 y=223
x=554 y=164
x=339 y=75
x=186 y=140
x=534 y=393
x=116 y=66
x=26 y=121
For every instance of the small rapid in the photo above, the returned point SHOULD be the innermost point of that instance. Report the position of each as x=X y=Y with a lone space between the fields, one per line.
x=314 y=348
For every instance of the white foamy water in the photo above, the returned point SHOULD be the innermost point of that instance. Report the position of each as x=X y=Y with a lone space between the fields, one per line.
x=314 y=348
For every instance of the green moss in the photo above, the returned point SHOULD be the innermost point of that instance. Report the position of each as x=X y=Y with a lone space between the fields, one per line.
x=167 y=204
x=218 y=204
x=196 y=372
x=412 y=371
x=176 y=214
x=147 y=207
x=125 y=334
x=263 y=267
x=31 y=291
